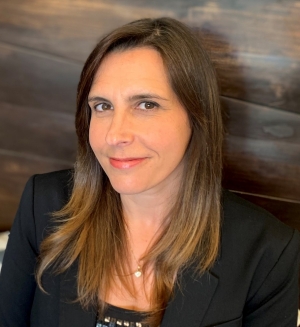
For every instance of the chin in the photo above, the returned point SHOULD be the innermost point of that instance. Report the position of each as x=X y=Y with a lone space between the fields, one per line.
x=127 y=188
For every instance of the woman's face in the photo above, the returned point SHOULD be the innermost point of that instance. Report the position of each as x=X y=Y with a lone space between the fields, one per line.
x=139 y=131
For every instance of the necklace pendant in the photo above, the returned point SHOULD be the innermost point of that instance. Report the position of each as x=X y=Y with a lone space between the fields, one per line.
x=138 y=273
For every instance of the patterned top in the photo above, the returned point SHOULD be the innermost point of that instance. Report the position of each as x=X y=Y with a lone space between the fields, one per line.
x=119 y=317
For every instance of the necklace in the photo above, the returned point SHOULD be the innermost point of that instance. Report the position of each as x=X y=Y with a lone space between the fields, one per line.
x=138 y=273
x=139 y=270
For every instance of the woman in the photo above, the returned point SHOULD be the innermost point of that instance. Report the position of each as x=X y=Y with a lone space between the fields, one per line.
x=142 y=233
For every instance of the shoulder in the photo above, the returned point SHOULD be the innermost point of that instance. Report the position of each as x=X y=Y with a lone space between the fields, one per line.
x=258 y=263
x=54 y=181
x=43 y=195
x=241 y=217
x=52 y=189
x=255 y=242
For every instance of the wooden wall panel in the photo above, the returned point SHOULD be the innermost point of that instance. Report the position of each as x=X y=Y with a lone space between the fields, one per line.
x=39 y=133
x=37 y=106
x=255 y=44
x=247 y=168
x=259 y=27
x=256 y=49
x=267 y=80
x=262 y=150
x=260 y=122
x=68 y=29
x=36 y=80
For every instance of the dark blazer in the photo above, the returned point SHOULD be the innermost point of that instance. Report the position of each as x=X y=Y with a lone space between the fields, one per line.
x=253 y=283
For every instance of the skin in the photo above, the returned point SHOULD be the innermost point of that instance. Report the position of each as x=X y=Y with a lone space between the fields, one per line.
x=139 y=133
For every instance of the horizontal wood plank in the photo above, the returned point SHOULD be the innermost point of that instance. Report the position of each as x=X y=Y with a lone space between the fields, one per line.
x=37 y=81
x=262 y=150
x=14 y=172
x=253 y=121
x=53 y=26
x=267 y=80
x=250 y=170
x=257 y=27
x=37 y=133
x=256 y=47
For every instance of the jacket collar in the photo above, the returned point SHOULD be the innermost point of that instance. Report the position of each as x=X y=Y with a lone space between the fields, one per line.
x=187 y=308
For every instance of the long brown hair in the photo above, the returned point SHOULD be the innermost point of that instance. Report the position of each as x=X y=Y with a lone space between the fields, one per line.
x=93 y=228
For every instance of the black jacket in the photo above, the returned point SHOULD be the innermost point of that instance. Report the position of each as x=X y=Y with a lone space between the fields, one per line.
x=253 y=283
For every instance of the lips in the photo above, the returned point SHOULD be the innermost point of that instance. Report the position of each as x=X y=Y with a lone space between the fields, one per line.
x=125 y=163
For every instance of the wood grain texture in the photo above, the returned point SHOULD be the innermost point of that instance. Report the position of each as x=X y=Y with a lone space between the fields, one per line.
x=253 y=121
x=263 y=28
x=37 y=81
x=262 y=150
x=245 y=170
x=256 y=46
x=37 y=133
x=268 y=27
x=256 y=50
x=267 y=80
x=68 y=29
x=15 y=169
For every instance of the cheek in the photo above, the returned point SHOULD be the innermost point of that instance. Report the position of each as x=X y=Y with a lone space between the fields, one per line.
x=91 y=136
x=178 y=135
x=172 y=143
x=95 y=136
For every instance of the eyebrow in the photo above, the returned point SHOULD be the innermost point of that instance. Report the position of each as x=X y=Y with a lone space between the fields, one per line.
x=146 y=96
x=96 y=98
x=131 y=98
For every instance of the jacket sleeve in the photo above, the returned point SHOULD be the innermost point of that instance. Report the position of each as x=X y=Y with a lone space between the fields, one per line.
x=276 y=301
x=17 y=281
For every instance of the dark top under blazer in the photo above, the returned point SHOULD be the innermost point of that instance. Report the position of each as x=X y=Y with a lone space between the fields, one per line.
x=253 y=283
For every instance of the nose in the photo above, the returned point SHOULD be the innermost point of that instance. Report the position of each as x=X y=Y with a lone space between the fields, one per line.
x=120 y=131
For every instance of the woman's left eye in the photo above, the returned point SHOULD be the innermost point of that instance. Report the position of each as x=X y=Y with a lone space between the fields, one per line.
x=147 y=105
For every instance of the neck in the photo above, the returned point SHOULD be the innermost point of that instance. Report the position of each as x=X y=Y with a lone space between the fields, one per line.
x=146 y=215
x=147 y=211
x=150 y=207
x=144 y=220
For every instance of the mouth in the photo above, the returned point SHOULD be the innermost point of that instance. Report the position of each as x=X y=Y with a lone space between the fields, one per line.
x=125 y=163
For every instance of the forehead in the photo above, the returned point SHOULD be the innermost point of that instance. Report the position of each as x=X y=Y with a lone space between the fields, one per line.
x=143 y=66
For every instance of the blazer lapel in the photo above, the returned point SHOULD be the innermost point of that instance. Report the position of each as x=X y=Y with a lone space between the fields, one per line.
x=191 y=301
x=71 y=313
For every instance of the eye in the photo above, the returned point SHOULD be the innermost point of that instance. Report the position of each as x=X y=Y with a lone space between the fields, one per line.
x=147 y=105
x=103 y=106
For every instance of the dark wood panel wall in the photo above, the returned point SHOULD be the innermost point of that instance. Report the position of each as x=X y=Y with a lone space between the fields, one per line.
x=255 y=46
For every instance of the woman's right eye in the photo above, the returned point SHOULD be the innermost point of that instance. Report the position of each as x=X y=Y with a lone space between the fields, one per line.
x=103 y=106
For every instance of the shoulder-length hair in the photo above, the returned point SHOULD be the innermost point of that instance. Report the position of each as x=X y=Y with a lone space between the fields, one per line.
x=93 y=229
